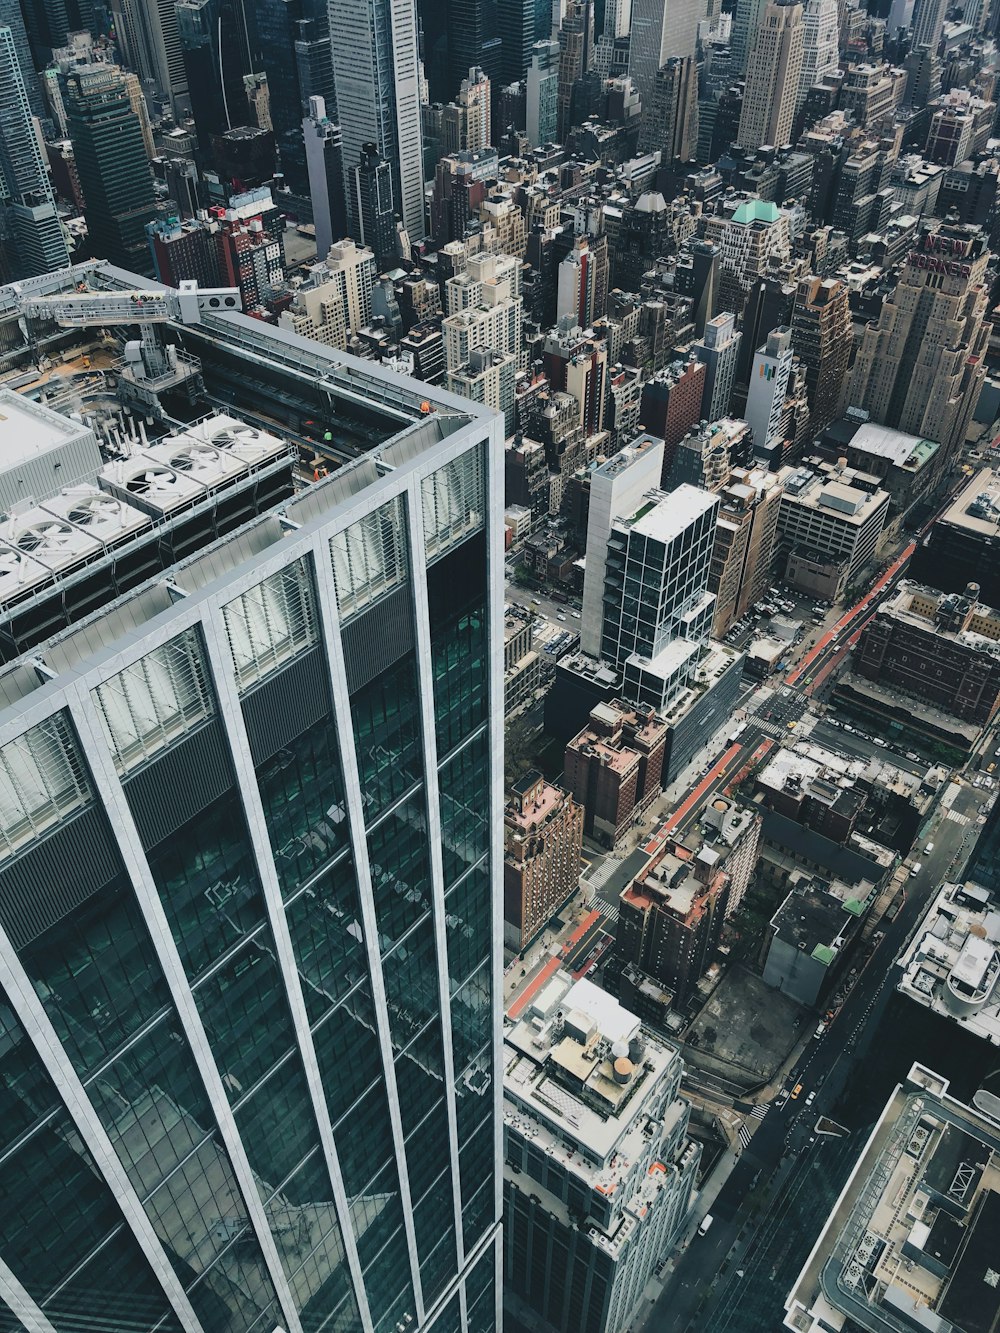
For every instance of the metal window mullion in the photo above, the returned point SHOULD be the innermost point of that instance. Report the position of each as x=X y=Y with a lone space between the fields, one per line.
x=23 y=1307
x=231 y=715
x=493 y=520
x=126 y=834
x=329 y=625
x=425 y=686
x=31 y=1014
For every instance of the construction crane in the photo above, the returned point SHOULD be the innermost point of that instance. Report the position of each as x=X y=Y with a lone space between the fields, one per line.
x=149 y=364
x=186 y=305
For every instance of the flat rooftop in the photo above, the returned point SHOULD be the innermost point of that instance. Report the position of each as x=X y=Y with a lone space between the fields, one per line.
x=900 y=449
x=29 y=430
x=976 y=507
x=912 y=1241
x=951 y=965
x=559 y=1067
x=665 y=515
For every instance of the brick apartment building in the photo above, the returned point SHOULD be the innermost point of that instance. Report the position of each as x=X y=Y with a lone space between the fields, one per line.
x=543 y=840
x=613 y=767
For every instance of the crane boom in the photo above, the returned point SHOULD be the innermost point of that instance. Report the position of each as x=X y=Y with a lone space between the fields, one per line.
x=139 y=306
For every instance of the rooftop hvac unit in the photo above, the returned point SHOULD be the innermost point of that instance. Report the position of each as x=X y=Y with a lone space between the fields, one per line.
x=212 y=467
x=52 y=542
x=18 y=572
x=147 y=481
x=253 y=446
x=104 y=517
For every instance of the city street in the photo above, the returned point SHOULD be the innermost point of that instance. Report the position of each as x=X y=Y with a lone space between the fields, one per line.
x=767 y=1238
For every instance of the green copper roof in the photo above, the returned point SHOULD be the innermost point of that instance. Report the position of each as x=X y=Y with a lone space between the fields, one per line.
x=756 y=210
x=824 y=954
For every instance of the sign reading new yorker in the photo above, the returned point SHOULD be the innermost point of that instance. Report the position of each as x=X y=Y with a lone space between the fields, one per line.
x=939 y=254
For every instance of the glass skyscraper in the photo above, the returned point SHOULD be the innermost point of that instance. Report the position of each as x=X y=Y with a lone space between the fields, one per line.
x=249 y=930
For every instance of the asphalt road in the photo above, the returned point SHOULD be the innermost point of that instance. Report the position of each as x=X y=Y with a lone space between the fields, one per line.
x=767 y=1239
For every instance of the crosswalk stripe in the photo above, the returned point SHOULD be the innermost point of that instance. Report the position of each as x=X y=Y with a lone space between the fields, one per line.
x=759 y=1112
x=744 y=1136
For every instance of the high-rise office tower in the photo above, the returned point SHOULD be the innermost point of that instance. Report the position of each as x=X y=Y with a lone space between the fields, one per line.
x=616 y=489
x=697 y=276
x=371 y=181
x=112 y=164
x=577 y=364
x=718 y=351
x=377 y=72
x=744 y=544
x=928 y=23
x=50 y=22
x=576 y=58
x=314 y=62
x=325 y=167
x=658 y=639
x=772 y=365
x=746 y=20
x=220 y=51
x=660 y=31
x=516 y=30
x=137 y=102
x=12 y=17
x=672 y=126
x=473 y=39
x=617 y=19
x=488 y=378
x=336 y=300
x=822 y=337
x=582 y=291
x=820 y=45
x=31 y=235
x=542 y=93
x=250 y=867
x=920 y=366
x=151 y=44
x=773 y=72
x=277 y=24
x=474 y=126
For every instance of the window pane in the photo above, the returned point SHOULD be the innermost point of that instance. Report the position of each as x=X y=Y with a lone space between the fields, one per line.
x=302 y=792
x=464 y=789
x=387 y=736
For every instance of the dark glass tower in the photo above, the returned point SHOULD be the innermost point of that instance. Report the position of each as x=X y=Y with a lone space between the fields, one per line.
x=372 y=179
x=220 y=49
x=250 y=910
x=113 y=167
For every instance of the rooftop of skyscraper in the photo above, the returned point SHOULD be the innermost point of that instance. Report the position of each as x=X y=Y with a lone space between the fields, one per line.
x=123 y=492
x=664 y=515
x=952 y=964
x=911 y=1241
x=586 y=1071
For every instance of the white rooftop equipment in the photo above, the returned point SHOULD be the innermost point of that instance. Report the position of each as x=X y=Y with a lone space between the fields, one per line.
x=104 y=517
x=150 y=483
